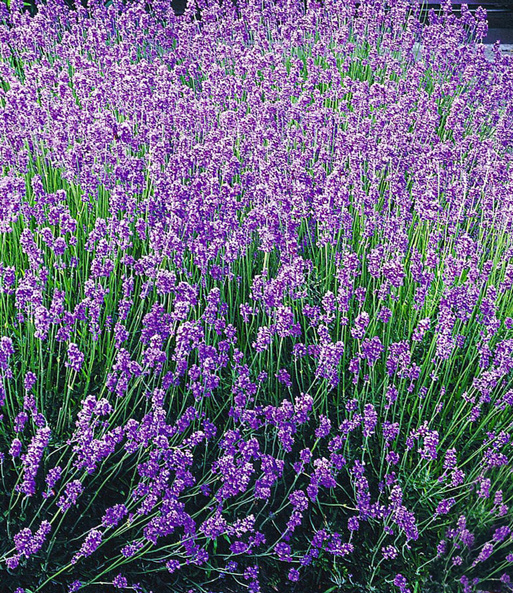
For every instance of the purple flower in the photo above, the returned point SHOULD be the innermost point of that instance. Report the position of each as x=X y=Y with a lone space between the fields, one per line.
x=283 y=377
x=131 y=549
x=389 y=552
x=370 y=419
x=15 y=448
x=113 y=515
x=450 y=459
x=30 y=380
x=299 y=500
x=484 y=554
x=53 y=476
x=467 y=538
x=457 y=478
x=402 y=583
x=27 y=543
x=6 y=351
x=91 y=543
x=390 y=431
x=71 y=493
x=302 y=406
x=384 y=315
x=372 y=350
x=172 y=565
x=421 y=329
x=283 y=551
x=20 y=421
x=295 y=520
x=23 y=542
x=430 y=444
x=32 y=459
x=251 y=572
x=392 y=457
x=239 y=547
x=324 y=427
x=13 y=561
x=391 y=396
x=484 y=491
x=120 y=582
x=214 y=526
x=264 y=339
x=336 y=547
x=75 y=358
x=323 y=474
x=501 y=533
x=231 y=566
x=445 y=506
x=359 y=294
x=179 y=259
x=399 y=358
x=234 y=474
x=352 y=405
x=293 y=575
x=360 y=325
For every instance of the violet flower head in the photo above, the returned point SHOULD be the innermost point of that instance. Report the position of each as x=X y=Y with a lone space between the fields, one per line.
x=501 y=533
x=372 y=350
x=113 y=515
x=370 y=419
x=131 y=549
x=445 y=506
x=12 y=562
x=283 y=551
x=15 y=449
x=27 y=543
x=75 y=358
x=72 y=491
x=120 y=582
x=401 y=582
x=353 y=524
x=172 y=565
x=484 y=554
x=53 y=476
x=90 y=545
x=20 y=421
x=360 y=325
x=384 y=315
x=389 y=552
x=421 y=329
x=30 y=380
x=299 y=500
x=32 y=460
x=324 y=427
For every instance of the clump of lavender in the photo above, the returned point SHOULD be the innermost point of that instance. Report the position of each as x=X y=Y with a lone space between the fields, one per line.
x=256 y=298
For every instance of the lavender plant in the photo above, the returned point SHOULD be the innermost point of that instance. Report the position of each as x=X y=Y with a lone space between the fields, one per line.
x=256 y=282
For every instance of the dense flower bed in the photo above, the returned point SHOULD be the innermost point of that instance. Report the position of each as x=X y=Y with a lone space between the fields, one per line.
x=255 y=299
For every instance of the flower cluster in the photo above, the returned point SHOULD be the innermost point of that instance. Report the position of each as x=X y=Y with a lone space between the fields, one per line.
x=256 y=280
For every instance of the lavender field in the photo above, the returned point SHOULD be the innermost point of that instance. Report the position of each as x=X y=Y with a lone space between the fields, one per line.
x=256 y=299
